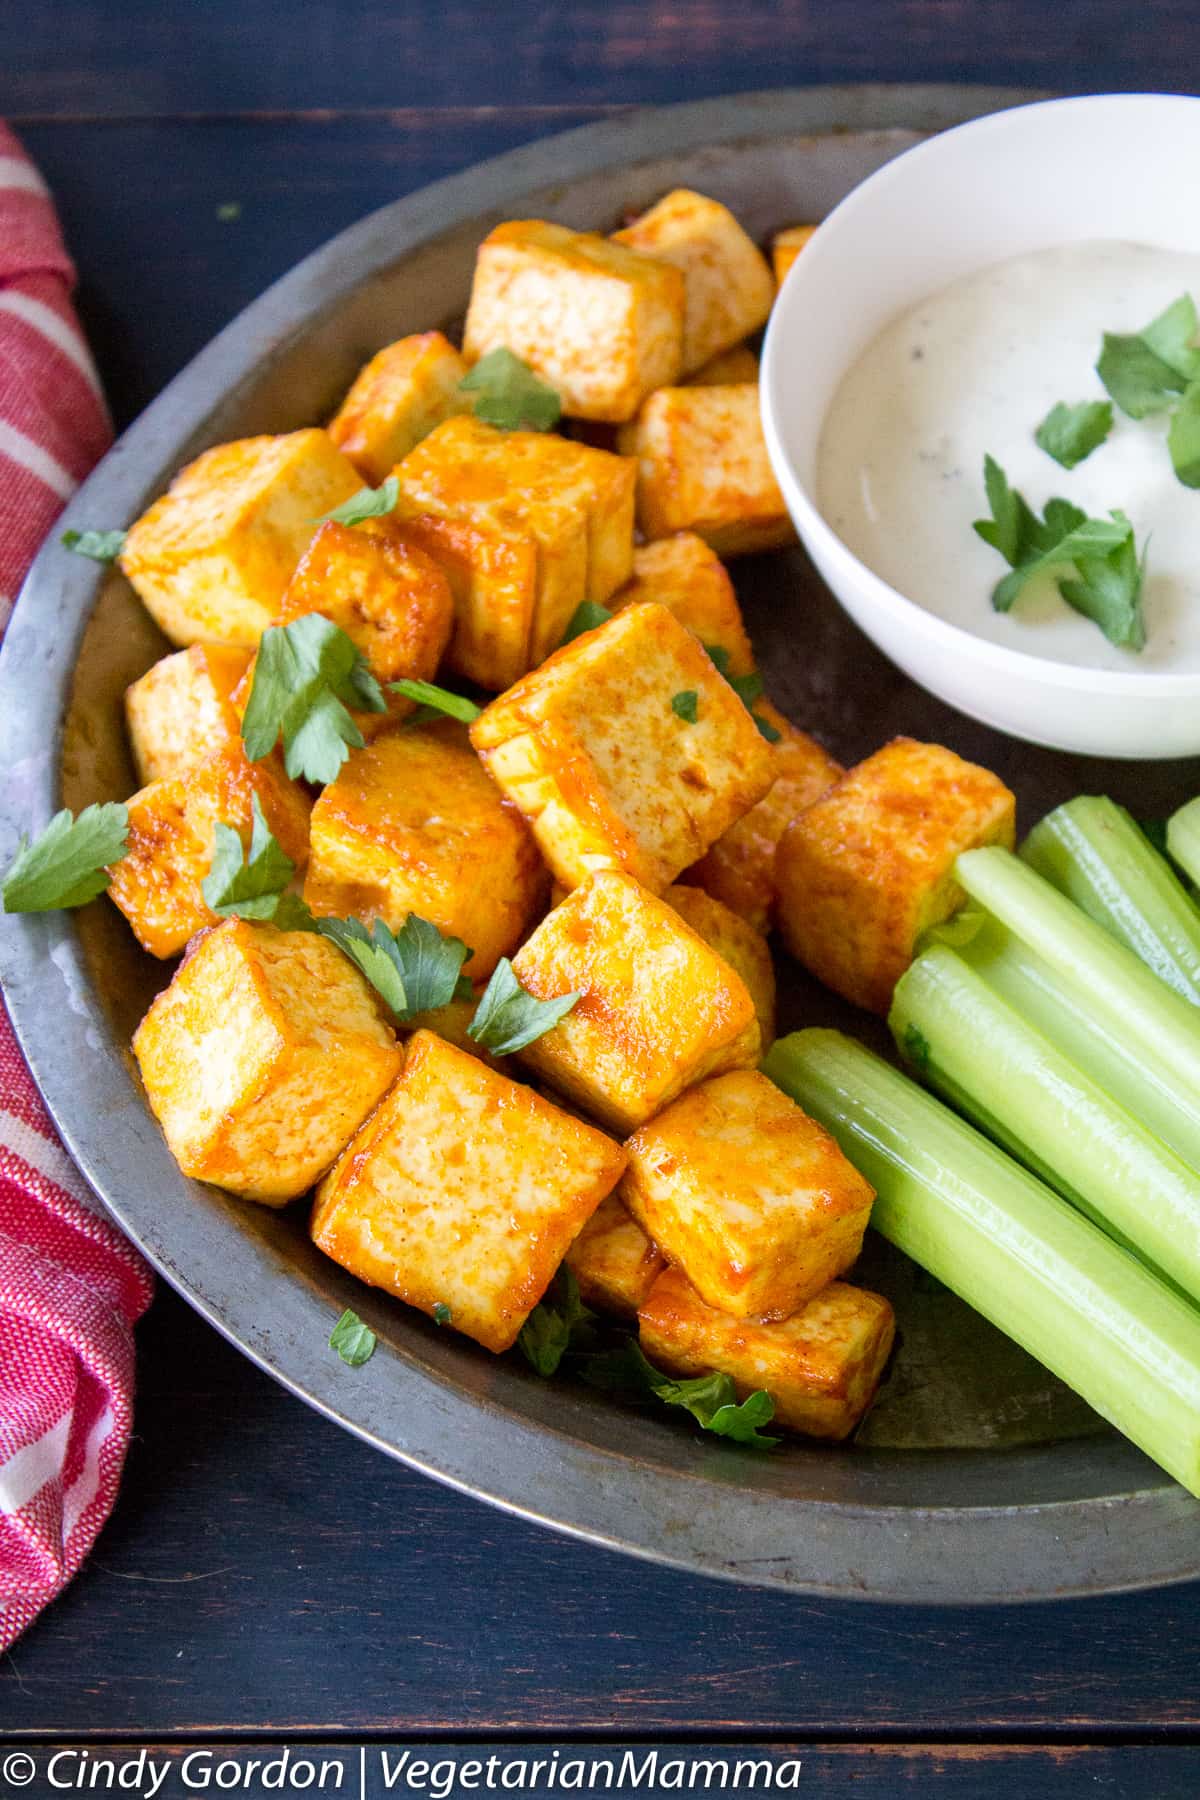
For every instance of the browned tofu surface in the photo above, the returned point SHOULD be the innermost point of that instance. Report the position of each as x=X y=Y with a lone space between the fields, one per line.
x=821 y=1367
x=741 y=946
x=703 y=467
x=179 y=711
x=738 y=364
x=602 y=324
x=786 y=246
x=746 y=1194
x=690 y=580
x=211 y=558
x=609 y=774
x=870 y=866
x=658 y=1008
x=614 y=1261
x=414 y=824
x=396 y=400
x=740 y=867
x=263 y=1057
x=465 y=1190
x=728 y=285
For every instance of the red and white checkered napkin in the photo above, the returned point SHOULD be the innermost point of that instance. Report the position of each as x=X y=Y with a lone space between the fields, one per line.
x=70 y=1285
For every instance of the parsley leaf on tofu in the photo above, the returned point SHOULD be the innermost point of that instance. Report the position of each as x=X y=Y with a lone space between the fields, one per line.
x=509 y=395
x=711 y=1399
x=101 y=546
x=433 y=699
x=546 y=1335
x=442 y=1314
x=306 y=675
x=588 y=615
x=415 y=969
x=67 y=864
x=1183 y=438
x=686 y=705
x=766 y=729
x=508 y=1017
x=368 y=503
x=1143 y=371
x=252 y=884
x=1107 y=587
x=354 y=1342
x=1070 y=433
x=748 y=688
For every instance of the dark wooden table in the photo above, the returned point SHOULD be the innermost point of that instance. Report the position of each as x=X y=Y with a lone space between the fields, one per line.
x=264 y=1574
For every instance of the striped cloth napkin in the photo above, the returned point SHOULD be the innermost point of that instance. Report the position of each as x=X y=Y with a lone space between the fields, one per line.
x=70 y=1286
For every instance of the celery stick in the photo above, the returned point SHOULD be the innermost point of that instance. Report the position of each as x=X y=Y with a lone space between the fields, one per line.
x=1120 y=988
x=987 y=1061
x=1091 y=851
x=1013 y=1250
x=1183 y=839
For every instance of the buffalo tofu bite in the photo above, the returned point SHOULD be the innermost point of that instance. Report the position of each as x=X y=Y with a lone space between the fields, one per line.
x=263 y=1057
x=658 y=1008
x=614 y=1261
x=390 y=597
x=740 y=945
x=703 y=467
x=414 y=824
x=786 y=246
x=728 y=286
x=690 y=580
x=625 y=750
x=463 y=1190
x=740 y=868
x=528 y=525
x=211 y=558
x=746 y=1194
x=180 y=711
x=870 y=866
x=599 y=322
x=821 y=1367
x=451 y=1021
x=172 y=835
x=738 y=364
x=396 y=400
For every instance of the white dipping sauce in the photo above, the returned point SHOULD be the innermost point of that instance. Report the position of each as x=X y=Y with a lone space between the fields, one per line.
x=974 y=370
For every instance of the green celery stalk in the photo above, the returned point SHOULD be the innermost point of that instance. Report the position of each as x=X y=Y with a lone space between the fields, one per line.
x=1183 y=839
x=1091 y=851
x=1010 y=1247
x=1121 y=990
x=989 y=1063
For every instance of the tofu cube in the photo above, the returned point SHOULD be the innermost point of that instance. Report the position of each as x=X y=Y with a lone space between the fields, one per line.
x=599 y=322
x=211 y=558
x=413 y=823
x=658 y=1009
x=746 y=1194
x=614 y=1261
x=739 y=944
x=527 y=525
x=179 y=711
x=738 y=364
x=396 y=400
x=464 y=1189
x=821 y=1367
x=703 y=467
x=598 y=750
x=740 y=868
x=870 y=866
x=172 y=831
x=728 y=286
x=263 y=1057
x=786 y=246
x=690 y=580
x=385 y=593
x=450 y=1023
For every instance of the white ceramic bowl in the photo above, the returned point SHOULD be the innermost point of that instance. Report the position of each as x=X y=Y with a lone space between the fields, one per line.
x=1110 y=166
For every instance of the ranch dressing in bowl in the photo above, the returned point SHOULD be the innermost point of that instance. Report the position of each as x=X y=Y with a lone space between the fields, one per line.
x=974 y=370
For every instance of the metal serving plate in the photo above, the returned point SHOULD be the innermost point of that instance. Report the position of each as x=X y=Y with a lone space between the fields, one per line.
x=977 y=1477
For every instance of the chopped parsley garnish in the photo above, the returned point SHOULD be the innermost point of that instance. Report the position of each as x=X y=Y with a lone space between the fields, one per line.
x=711 y=1399
x=433 y=699
x=66 y=864
x=766 y=729
x=354 y=1342
x=686 y=706
x=1183 y=437
x=509 y=395
x=101 y=546
x=1107 y=586
x=253 y=884
x=1070 y=433
x=1144 y=371
x=588 y=615
x=368 y=503
x=748 y=688
x=415 y=969
x=546 y=1334
x=442 y=1314
x=508 y=1017
x=306 y=675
